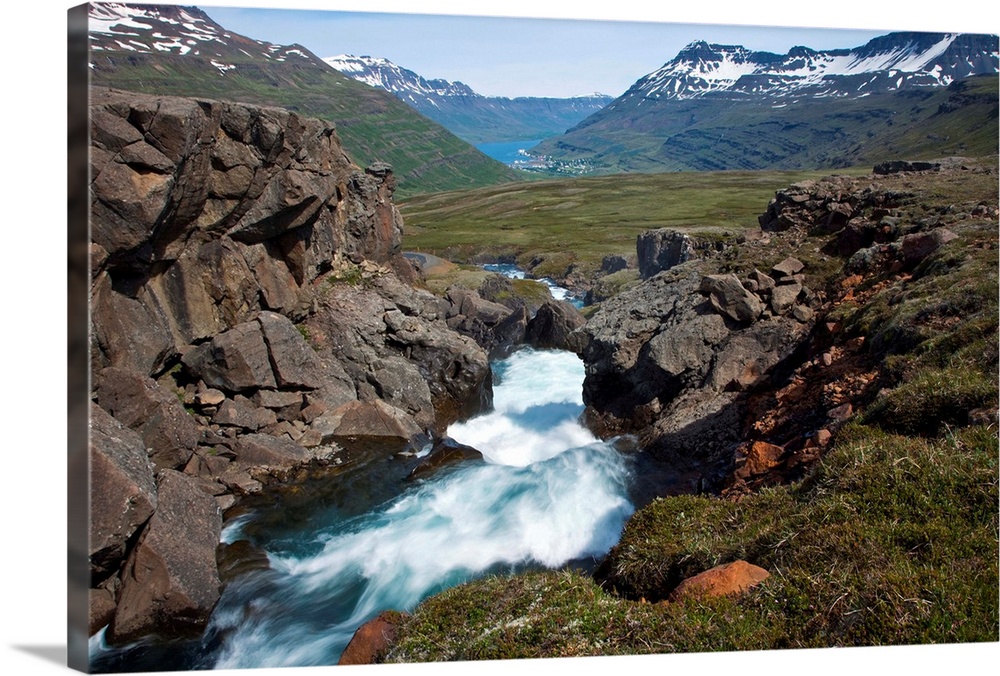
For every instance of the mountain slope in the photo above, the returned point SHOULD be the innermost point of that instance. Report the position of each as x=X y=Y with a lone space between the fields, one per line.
x=471 y=116
x=723 y=107
x=182 y=51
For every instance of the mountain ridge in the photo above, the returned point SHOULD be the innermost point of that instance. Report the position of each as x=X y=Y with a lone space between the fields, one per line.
x=469 y=115
x=718 y=107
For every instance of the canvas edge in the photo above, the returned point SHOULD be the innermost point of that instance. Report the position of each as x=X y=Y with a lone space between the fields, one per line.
x=78 y=284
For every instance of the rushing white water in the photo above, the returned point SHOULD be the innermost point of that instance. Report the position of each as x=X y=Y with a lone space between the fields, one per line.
x=549 y=493
x=513 y=272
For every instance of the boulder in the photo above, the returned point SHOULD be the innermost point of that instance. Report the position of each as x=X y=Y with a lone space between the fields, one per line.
x=725 y=580
x=553 y=326
x=294 y=363
x=265 y=451
x=444 y=452
x=613 y=263
x=374 y=418
x=171 y=583
x=659 y=250
x=756 y=458
x=371 y=640
x=236 y=360
x=122 y=490
x=783 y=297
x=787 y=268
x=241 y=412
x=918 y=246
x=729 y=297
x=168 y=433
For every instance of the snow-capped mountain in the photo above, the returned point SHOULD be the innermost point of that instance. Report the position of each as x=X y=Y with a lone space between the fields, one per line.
x=180 y=31
x=466 y=113
x=404 y=83
x=887 y=63
x=720 y=107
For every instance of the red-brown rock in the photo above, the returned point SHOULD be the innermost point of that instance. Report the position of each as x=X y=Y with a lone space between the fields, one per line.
x=760 y=457
x=370 y=641
x=724 y=580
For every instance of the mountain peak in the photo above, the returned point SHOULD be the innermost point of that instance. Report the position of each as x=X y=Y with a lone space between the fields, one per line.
x=886 y=63
x=177 y=31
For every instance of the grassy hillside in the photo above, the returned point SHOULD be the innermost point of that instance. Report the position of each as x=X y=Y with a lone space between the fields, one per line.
x=373 y=125
x=578 y=221
x=713 y=134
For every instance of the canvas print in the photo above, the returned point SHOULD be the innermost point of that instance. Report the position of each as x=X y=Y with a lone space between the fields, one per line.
x=407 y=344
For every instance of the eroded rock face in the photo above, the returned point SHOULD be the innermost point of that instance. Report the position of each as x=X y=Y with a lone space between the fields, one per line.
x=209 y=212
x=553 y=326
x=394 y=341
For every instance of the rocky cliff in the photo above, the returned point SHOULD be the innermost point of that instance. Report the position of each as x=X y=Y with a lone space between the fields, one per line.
x=251 y=318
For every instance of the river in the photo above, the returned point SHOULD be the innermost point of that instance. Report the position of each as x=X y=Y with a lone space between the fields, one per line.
x=549 y=494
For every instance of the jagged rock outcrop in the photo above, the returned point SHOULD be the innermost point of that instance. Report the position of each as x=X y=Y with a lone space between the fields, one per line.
x=673 y=359
x=252 y=318
x=829 y=204
x=205 y=213
x=495 y=327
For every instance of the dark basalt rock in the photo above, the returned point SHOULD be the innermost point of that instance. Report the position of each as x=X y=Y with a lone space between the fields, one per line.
x=444 y=452
x=553 y=326
x=662 y=249
x=898 y=166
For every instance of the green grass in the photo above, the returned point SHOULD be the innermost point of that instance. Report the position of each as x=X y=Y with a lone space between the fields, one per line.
x=579 y=221
x=892 y=541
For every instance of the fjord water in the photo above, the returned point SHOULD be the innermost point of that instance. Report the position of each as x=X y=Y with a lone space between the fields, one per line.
x=548 y=494
x=507 y=152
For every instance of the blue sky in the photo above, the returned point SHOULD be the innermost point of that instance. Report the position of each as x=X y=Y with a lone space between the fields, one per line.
x=507 y=56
